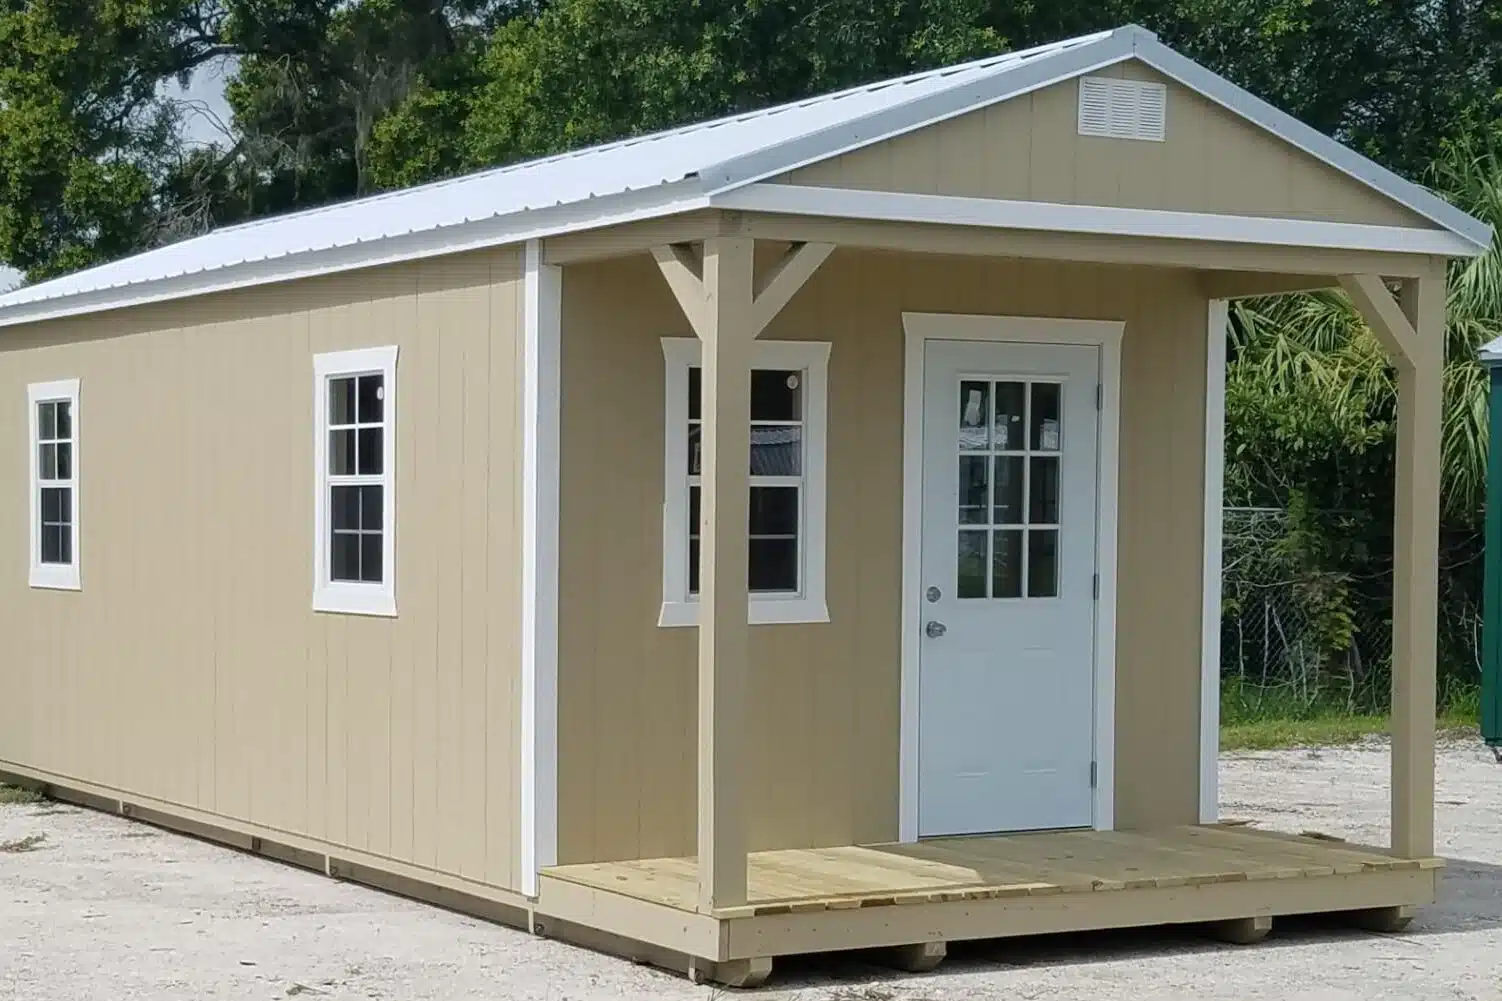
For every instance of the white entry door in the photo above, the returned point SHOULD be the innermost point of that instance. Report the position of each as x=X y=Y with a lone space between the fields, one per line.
x=1007 y=662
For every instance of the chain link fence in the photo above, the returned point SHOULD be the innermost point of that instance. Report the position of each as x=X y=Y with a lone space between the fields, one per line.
x=1307 y=626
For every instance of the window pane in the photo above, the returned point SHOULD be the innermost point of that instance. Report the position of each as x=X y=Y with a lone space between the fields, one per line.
x=54 y=505
x=774 y=511
x=1043 y=563
x=776 y=395
x=370 y=508
x=64 y=418
x=973 y=487
x=370 y=557
x=695 y=454
x=693 y=566
x=371 y=453
x=1043 y=491
x=1010 y=399
x=65 y=543
x=693 y=510
x=342 y=401
x=47 y=462
x=341 y=453
x=52 y=544
x=372 y=396
x=345 y=502
x=695 y=393
x=1045 y=417
x=974 y=406
x=1006 y=564
x=777 y=451
x=65 y=460
x=345 y=557
x=46 y=421
x=774 y=565
x=1008 y=490
x=972 y=565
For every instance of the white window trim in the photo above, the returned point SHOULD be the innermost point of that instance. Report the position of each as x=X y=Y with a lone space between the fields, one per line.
x=678 y=608
x=56 y=576
x=352 y=597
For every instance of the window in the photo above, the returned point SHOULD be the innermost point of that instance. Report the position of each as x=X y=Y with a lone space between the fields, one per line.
x=1010 y=440
x=786 y=527
x=354 y=448
x=54 y=484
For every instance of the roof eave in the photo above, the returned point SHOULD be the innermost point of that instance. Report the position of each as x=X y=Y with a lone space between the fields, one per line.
x=495 y=231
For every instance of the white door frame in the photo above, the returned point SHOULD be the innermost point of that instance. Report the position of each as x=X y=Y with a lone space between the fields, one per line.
x=919 y=328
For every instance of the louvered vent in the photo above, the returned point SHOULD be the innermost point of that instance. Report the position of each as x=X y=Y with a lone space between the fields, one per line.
x=1122 y=109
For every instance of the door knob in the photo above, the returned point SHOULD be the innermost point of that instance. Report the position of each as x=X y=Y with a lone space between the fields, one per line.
x=935 y=630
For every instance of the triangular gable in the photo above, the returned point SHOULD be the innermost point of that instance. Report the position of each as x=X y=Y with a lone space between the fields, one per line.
x=1029 y=148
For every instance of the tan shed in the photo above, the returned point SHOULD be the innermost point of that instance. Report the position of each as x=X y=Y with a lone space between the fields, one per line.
x=791 y=533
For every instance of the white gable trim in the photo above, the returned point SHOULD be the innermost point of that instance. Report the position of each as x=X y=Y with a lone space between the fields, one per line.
x=947 y=210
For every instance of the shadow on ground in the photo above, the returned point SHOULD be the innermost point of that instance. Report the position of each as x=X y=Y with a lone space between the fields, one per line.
x=1470 y=899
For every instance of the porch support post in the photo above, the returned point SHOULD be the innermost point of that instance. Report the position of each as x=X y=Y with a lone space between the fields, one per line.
x=1413 y=332
x=724 y=496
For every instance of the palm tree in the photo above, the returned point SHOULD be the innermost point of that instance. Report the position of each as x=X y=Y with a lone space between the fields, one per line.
x=1318 y=342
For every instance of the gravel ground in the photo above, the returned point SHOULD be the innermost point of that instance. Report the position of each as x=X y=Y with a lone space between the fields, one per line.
x=102 y=908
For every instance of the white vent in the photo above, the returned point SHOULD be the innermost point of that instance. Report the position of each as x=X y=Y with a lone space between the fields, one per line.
x=1122 y=109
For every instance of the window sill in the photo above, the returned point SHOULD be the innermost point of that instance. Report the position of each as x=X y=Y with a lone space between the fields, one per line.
x=55 y=578
x=763 y=612
x=355 y=599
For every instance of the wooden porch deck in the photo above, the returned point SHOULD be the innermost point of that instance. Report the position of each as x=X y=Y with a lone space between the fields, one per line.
x=812 y=900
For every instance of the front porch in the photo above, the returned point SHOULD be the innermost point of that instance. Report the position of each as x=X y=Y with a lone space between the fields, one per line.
x=915 y=897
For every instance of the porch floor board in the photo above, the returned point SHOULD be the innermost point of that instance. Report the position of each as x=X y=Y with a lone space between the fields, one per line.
x=792 y=881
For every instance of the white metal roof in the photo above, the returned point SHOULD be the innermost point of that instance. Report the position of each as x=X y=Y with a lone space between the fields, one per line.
x=654 y=175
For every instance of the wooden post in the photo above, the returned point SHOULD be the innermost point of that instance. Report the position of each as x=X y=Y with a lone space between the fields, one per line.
x=1413 y=333
x=727 y=335
x=1416 y=568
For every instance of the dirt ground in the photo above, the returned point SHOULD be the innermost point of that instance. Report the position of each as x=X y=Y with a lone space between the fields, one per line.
x=102 y=908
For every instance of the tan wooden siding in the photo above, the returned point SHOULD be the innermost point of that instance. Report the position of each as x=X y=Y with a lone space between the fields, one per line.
x=1029 y=148
x=190 y=668
x=824 y=701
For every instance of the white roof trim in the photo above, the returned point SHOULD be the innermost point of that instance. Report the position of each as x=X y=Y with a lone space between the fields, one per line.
x=698 y=165
x=947 y=210
x=496 y=231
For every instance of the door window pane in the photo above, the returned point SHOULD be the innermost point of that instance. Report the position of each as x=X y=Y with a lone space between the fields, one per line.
x=46 y=421
x=774 y=511
x=1043 y=563
x=1011 y=399
x=773 y=565
x=974 y=412
x=64 y=418
x=372 y=394
x=47 y=462
x=777 y=450
x=1043 y=491
x=1046 y=429
x=341 y=401
x=973 y=489
x=972 y=565
x=1006 y=564
x=776 y=395
x=1008 y=508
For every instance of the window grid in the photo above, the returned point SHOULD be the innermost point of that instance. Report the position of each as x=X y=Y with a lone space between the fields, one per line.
x=55 y=482
x=1023 y=533
x=756 y=481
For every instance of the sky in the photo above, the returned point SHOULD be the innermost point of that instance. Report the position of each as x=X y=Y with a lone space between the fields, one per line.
x=205 y=113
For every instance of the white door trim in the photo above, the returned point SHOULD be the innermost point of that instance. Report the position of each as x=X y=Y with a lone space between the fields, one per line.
x=1215 y=470
x=918 y=329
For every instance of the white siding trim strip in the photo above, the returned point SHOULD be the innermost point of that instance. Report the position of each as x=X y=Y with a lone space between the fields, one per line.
x=993 y=213
x=1215 y=466
x=541 y=335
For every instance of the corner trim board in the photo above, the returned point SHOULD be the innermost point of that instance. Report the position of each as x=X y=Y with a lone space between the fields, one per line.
x=541 y=335
x=918 y=329
x=1215 y=465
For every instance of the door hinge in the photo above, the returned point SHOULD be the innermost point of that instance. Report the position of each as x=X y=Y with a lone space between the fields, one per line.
x=1095 y=587
x=1100 y=393
x=1093 y=770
